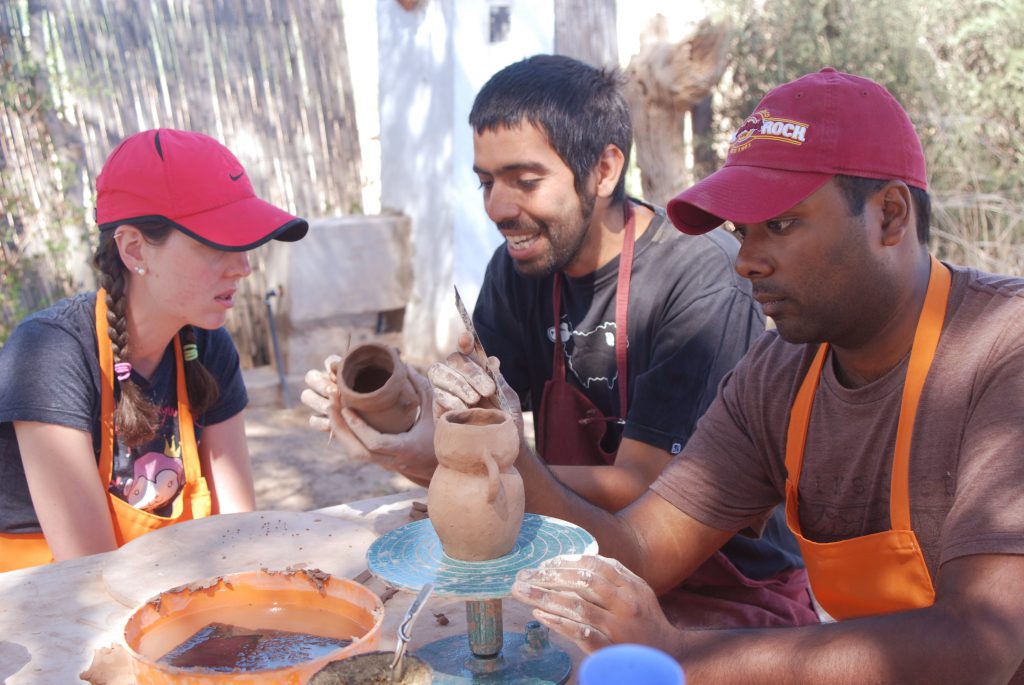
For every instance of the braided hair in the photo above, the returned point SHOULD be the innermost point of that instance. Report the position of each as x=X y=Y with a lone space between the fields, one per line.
x=136 y=418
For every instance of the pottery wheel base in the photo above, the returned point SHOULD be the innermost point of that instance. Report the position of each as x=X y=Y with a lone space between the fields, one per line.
x=411 y=555
x=519 y=662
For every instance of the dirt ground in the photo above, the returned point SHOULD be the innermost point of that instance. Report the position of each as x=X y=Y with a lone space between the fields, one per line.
x=295 y=469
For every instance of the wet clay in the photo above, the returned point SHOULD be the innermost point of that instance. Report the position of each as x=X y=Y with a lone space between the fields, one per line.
x=373 y=668
x=374 y=382
x=476 y=496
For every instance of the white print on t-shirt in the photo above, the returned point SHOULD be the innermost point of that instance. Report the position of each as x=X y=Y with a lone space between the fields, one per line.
x=578 y=352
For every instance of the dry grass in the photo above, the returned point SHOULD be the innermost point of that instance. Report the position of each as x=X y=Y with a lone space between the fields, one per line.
x=982 y=230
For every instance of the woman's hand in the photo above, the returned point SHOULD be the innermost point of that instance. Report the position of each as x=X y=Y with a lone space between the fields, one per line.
x=410 y=453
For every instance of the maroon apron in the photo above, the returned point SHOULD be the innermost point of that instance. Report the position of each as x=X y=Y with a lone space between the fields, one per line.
x=569 y=427
x=569 y=433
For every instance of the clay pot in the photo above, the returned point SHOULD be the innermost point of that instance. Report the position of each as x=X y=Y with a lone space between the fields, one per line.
x=375 y=383
x=476 y=496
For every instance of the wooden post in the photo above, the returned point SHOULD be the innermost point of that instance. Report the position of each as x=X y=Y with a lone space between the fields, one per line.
x=666 y=80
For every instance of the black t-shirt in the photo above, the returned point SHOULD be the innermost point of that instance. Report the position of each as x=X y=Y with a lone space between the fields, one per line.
x=49 y=372
x=691 y=318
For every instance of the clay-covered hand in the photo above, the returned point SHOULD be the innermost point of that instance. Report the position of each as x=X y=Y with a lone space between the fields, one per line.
x=595 y=602
x=321 y=395
x=317 y=395
x=459 y=383
x=410 y=453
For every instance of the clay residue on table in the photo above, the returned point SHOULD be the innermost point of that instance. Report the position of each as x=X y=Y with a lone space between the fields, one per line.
x=110 y=666
x=418 y=511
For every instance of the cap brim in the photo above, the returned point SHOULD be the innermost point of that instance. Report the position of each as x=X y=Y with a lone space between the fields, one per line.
x=741 y=194
x=243 y=225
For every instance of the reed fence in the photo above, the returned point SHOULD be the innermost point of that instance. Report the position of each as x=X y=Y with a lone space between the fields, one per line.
x=269 y=79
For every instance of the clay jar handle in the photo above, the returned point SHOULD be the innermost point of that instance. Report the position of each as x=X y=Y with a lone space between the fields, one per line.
x=493 y=473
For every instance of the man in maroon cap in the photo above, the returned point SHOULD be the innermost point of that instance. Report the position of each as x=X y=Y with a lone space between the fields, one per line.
x=886 y=411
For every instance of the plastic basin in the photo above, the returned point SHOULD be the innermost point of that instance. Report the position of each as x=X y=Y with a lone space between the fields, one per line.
x=295 y=601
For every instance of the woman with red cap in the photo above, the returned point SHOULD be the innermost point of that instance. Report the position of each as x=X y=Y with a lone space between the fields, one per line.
x=138 y=383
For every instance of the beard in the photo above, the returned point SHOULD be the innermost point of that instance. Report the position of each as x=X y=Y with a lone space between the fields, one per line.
x=565 y=236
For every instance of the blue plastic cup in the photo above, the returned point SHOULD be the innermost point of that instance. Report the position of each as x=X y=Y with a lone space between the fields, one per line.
x=626 y=664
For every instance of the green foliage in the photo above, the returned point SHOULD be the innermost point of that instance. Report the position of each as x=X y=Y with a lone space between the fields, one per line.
x=785 y=39
x=957 y=66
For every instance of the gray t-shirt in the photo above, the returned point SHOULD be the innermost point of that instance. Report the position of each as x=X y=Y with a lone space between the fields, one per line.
x=966 y=468
x=49 y=372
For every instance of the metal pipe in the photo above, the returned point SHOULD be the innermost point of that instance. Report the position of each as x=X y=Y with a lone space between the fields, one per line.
x=484 y=624
x=277 y=348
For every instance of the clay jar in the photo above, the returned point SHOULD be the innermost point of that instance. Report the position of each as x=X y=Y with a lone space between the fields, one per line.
x=476 y=496
x=375 y=383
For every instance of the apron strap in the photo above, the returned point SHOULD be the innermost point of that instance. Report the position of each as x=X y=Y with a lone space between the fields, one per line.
x=621 y=314
x=186 y=427
x=558 y=361
x=106 y=359
x=622 y=306
x=799 y=419
x=926 y=341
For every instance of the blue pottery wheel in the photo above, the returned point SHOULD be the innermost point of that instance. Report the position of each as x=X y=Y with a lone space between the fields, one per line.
x=412 y=555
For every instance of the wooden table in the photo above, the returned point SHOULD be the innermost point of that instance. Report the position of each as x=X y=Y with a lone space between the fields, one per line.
x=53 y=618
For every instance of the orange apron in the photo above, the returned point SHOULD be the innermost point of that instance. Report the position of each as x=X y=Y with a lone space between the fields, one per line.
x=30 y=549
x=883 y=572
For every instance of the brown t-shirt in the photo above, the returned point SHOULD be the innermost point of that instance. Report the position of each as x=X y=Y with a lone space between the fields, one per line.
x=966 y=468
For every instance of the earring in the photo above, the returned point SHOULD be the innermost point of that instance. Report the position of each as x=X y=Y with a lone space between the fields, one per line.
x=139 y=270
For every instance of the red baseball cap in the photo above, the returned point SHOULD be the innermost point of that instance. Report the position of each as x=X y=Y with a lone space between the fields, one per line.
x=800 y=135
x=195 y=183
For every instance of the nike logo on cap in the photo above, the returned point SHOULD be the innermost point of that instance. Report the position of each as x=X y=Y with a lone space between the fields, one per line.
x=233 y=177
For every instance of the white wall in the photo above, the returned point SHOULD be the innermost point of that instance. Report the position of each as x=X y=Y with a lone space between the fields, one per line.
x=433 y=60
x=476 y=60
x=416 y=150
x=361 y=41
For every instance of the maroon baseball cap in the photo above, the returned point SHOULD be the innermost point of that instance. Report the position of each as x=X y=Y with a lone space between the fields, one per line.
x=195 y=183
x=800 y=135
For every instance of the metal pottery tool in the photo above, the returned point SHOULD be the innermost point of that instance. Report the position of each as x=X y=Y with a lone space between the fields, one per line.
x=479 y=356
x=405 y=628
